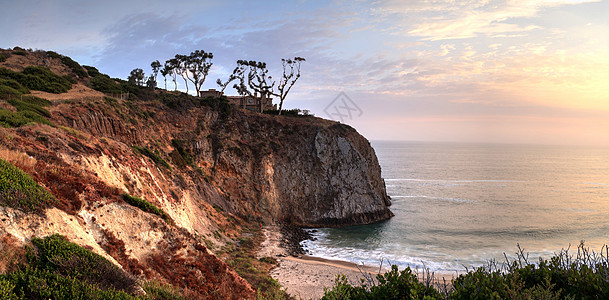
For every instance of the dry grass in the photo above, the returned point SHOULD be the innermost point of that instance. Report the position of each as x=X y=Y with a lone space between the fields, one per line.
x=18 y=158
x=78 y=92
x=11 y=253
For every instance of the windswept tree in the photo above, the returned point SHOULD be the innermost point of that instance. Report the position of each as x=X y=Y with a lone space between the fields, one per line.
x=238 y=73
x=258 y=79
x=197 y=67
x=165 y=72
x=291 y=73
x=181 y=68
x=253 y=79
x=156 y=66
x=171 y=67
x=136 y=76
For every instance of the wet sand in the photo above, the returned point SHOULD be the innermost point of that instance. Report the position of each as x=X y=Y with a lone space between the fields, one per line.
x=306 y=277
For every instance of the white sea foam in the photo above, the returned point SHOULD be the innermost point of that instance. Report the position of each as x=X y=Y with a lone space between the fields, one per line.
x=454 y=181
x=448 y=199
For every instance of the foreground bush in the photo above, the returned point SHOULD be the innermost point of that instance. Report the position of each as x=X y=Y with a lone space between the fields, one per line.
x=390 y=285
x=59 y=269
x=564 y=276
x=56 y=268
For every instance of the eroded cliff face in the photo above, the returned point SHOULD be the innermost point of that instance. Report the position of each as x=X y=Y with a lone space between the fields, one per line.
x=302 y=171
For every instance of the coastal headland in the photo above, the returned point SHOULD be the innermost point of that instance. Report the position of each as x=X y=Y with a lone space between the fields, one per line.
x=170 y=187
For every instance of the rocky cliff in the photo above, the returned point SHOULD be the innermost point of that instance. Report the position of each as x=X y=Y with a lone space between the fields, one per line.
x=303 y=171
x=210 y=167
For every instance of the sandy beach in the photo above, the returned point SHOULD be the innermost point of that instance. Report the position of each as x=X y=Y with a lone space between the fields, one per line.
x=305 y=277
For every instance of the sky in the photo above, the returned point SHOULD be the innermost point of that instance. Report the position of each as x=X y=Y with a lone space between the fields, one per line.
x=508 y=71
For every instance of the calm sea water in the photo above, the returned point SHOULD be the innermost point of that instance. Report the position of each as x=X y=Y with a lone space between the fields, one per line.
x=459 y=205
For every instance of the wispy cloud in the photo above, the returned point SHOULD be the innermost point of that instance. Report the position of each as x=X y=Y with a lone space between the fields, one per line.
x=441 y=20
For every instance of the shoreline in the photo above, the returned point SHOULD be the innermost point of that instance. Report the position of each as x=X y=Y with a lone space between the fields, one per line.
x=306 y=277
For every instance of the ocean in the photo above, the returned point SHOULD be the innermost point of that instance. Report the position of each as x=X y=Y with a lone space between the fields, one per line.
x=457 y=206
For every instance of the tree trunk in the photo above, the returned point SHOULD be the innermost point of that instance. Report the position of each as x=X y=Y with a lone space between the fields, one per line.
x=185 y=82
x=280 y=105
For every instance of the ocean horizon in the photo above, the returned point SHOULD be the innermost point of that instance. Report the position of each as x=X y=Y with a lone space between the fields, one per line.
x=459 y=205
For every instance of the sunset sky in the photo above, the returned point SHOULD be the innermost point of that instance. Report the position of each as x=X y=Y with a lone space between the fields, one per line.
x=511 y=71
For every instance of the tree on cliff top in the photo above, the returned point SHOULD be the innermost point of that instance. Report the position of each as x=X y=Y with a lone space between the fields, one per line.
x=156 y=66
x=253 y=79
x=165 y=71
x=180 y=67
x=291 y=73
x=172 y=68
x=197 y=66
x=136 y=76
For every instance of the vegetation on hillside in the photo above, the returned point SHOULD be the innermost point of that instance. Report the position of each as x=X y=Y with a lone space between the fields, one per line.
x=29 y=109
x=563 y=276
x=241 y=256
x=155 y=157
x=19 y=190
x=39 y=78
x=147 y=207
x=75 y=67
x=55 y=268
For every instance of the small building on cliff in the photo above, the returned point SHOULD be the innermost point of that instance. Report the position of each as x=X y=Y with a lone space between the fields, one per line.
x=252 y=103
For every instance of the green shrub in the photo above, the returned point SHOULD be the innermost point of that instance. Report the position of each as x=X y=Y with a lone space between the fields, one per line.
x=53 y=54
x=13 y=84
x=6 y=289
x=92 y=71
x=147 y=207
x=35 y=117
x=56 y=254
x=46 y=80
x=37 y=101
x=4 y=56
x=105 y=84
x=19 y=190
x=9 y=119
x=393 y=284
x=585 y=276
x=29 y=110
x=38 y=78
x=155 y=290
x=284 y=112
x=41 y=284
x=59 y=269
x=155 y=157
x=8 y=92
x=70 y=79
x=179 y=145
x=29 y=106
x=76 y=68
